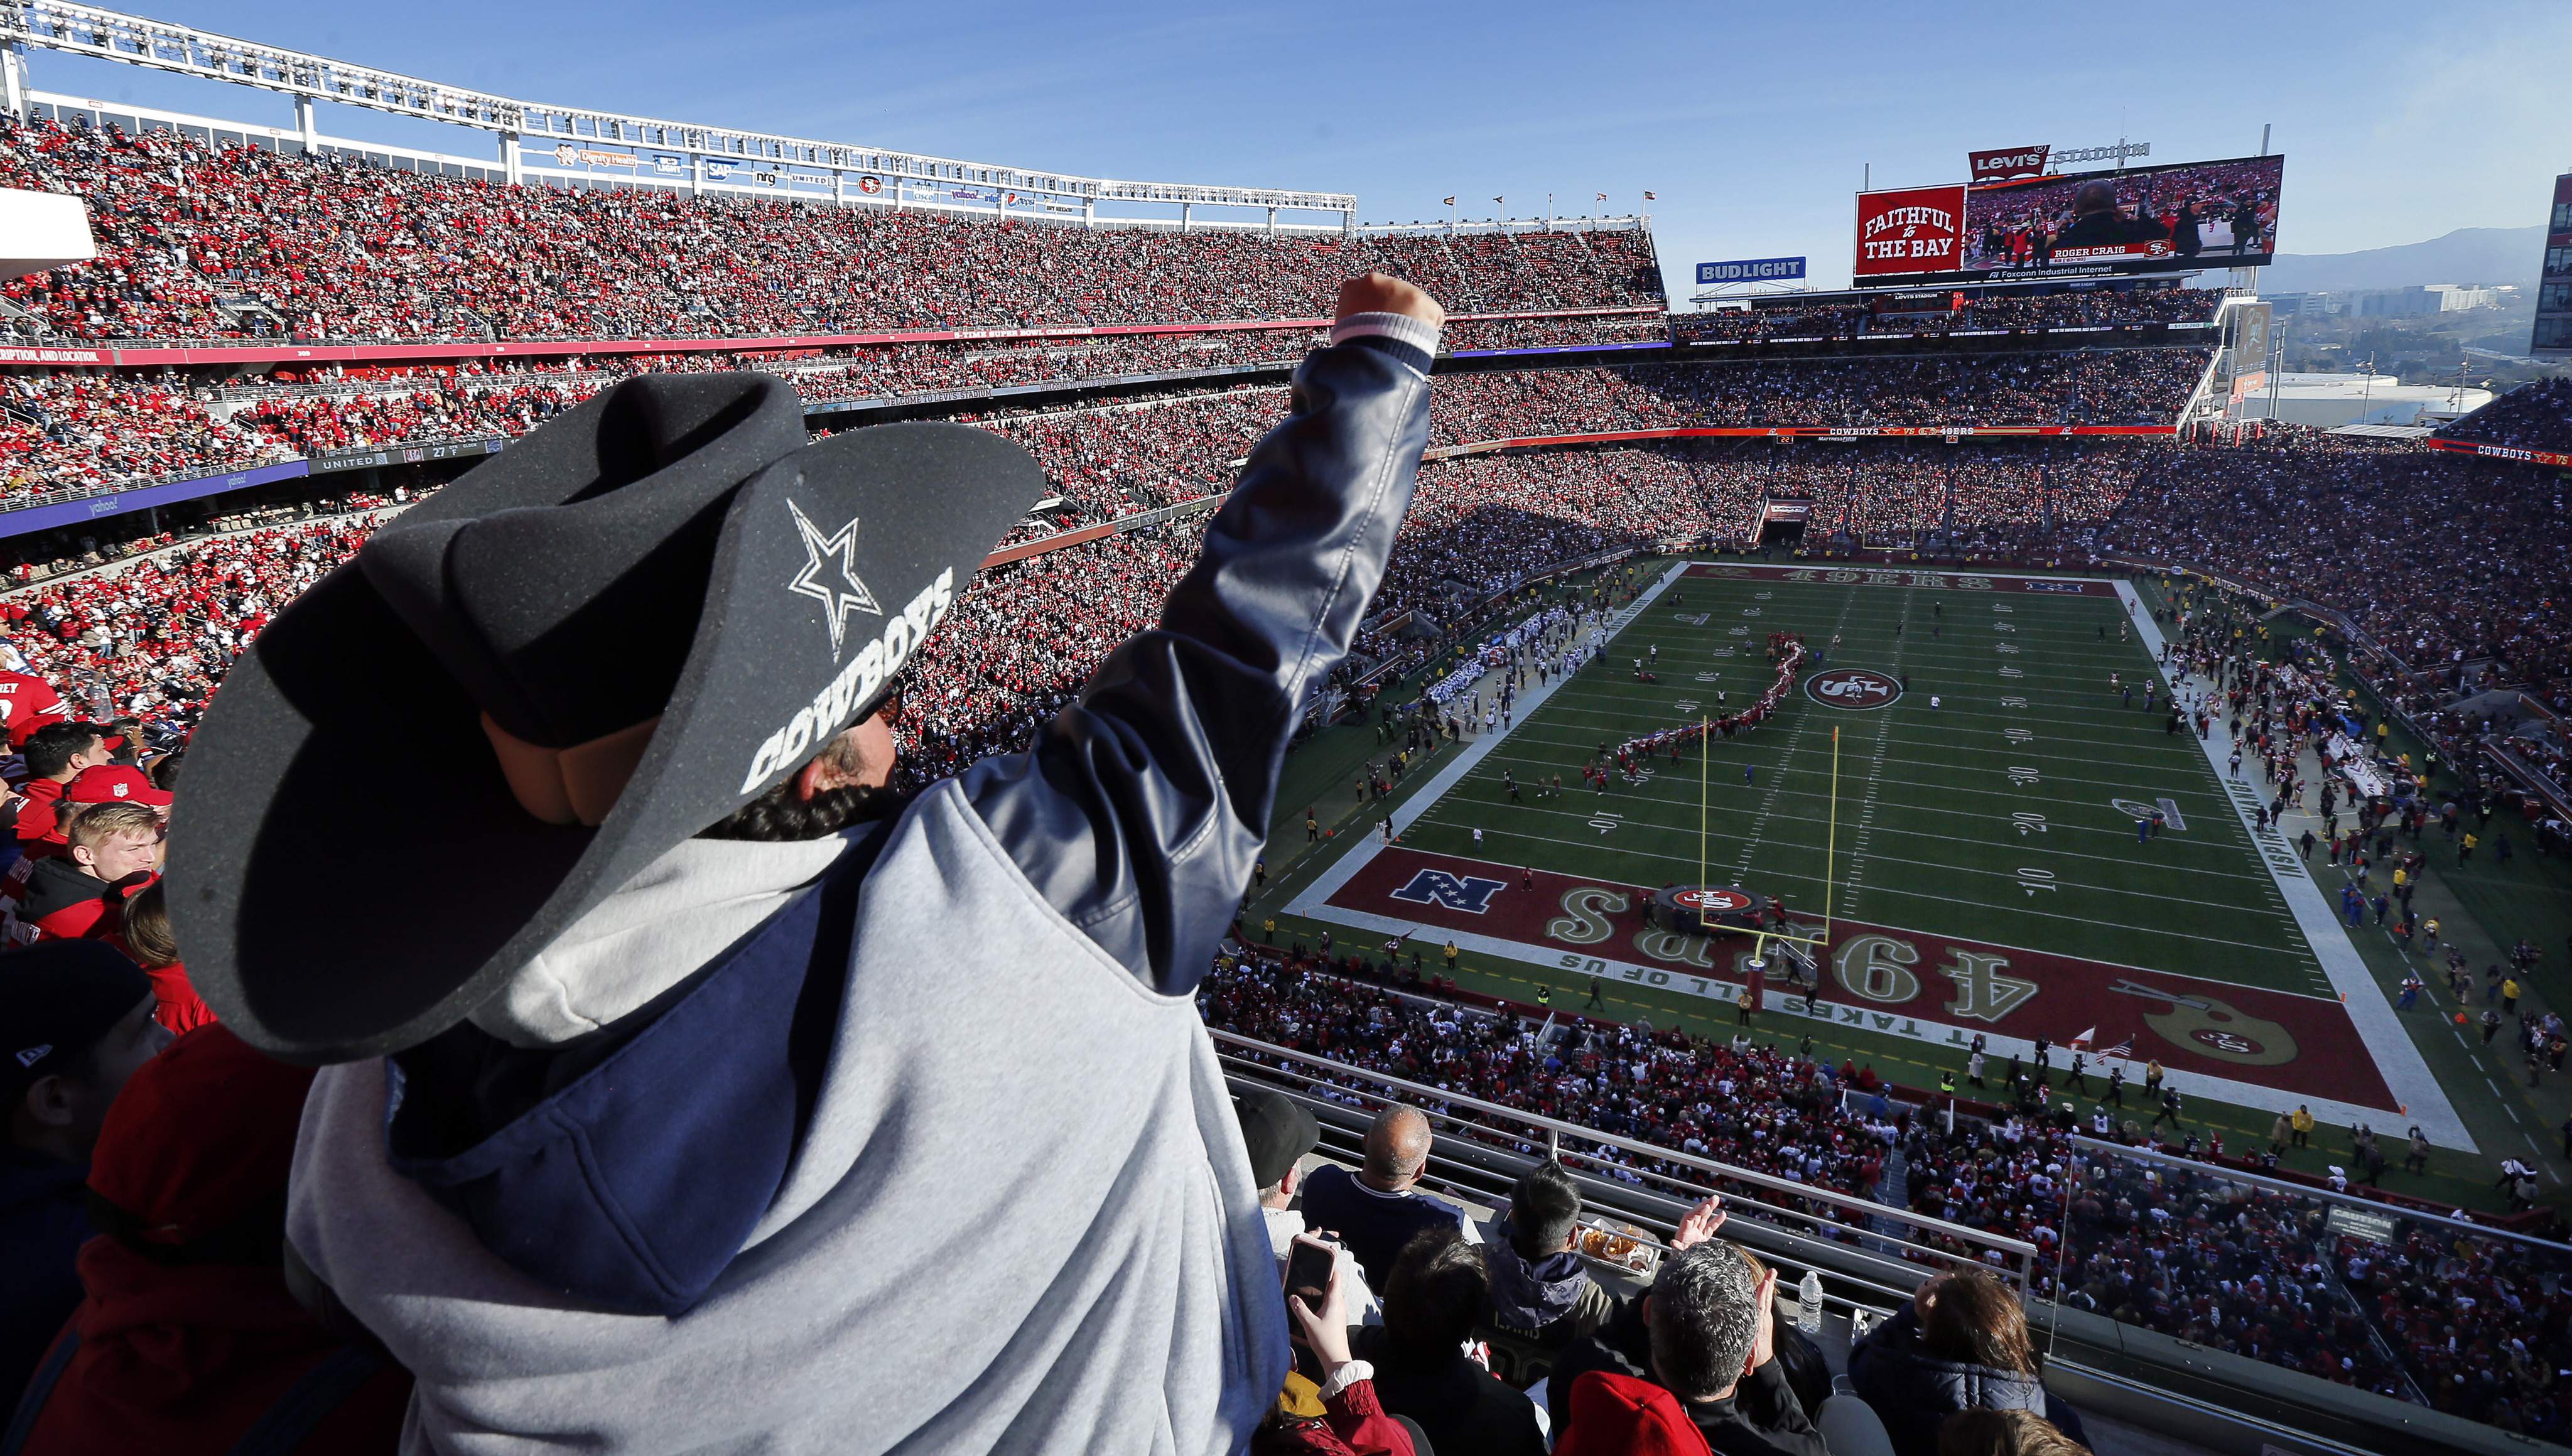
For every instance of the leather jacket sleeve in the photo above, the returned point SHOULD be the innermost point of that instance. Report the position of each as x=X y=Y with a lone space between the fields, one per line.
x=1141 y=807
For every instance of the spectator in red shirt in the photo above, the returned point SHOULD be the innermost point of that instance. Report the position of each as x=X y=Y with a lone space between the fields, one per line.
x=27 y=704
x=55 y=755
x=113 y=850
x=188 y=1338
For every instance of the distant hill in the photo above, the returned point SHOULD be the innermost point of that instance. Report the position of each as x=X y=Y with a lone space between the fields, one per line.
x=2465 y=256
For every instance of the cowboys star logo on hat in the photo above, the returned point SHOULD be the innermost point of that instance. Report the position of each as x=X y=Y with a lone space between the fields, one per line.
x=843 y=548
x=548 y=675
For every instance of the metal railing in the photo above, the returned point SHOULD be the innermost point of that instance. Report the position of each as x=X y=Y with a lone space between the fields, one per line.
x=1890 y=1248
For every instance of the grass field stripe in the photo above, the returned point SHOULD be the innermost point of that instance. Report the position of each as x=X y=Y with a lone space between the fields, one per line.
x=1472 y=753
x=2261 y=880
x=2404 y=1070
x=2192 y=845
x=2288 y=948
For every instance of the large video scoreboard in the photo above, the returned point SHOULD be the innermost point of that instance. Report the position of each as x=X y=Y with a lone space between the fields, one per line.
x=2079 y=225
x=2553 y=338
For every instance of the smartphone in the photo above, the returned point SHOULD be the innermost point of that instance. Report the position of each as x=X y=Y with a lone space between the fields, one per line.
x=1309 y=1264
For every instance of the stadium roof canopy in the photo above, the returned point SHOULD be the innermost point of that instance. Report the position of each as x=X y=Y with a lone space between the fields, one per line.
x=87 y=30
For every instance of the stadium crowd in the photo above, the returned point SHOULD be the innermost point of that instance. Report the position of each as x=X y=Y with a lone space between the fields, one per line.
x=2439 y=560
x=2533 y=416
x=240 y=242
x=1942 y=312
x=2469 y=1324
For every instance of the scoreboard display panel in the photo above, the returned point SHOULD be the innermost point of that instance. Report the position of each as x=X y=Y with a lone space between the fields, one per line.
x=2179 y=218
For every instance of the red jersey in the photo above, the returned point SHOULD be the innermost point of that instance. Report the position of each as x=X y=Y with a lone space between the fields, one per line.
x=27 y=704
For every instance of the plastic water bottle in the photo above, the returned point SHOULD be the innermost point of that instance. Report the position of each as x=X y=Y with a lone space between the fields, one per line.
x=1808 y=1303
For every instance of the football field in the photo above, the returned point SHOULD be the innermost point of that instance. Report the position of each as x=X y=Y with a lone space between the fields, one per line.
x=1979 y=860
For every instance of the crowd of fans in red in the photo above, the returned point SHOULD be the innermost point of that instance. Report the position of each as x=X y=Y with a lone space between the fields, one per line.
x=322 y=246
x=2439 y=560
x=2533 y=416
x=69 y=432
x=1940 y=311
x=2467 y=1324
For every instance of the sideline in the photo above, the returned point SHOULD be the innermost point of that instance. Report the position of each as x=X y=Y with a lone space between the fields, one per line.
x=2399 y=1062
x=1308 y=901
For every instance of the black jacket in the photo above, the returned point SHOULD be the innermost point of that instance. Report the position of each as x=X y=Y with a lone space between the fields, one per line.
x=1760 y=1418
x=1460 y=1405
x=1914 y=1392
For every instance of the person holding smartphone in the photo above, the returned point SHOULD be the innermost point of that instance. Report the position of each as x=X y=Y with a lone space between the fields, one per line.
x=1337 y=1413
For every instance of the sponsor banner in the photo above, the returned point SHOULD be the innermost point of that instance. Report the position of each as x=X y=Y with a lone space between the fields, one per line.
x=1558 y=349
x=515 y=348
x=2502 y=453
x=90 y=507
x=1912 y=230
x=1936 y=989
x=16 y=353
x=571 y=155
x=670 y=165
x=719 y=171
x=401 y=454
x=1798 y=431
x=1787 y=511
x=2006 y=163
x=1906 y=576
x=1751 y=270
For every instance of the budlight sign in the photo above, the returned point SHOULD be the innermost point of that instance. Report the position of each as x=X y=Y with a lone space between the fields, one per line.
x=1751 y=270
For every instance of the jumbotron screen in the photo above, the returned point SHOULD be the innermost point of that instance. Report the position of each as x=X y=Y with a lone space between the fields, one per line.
x=2145 y=219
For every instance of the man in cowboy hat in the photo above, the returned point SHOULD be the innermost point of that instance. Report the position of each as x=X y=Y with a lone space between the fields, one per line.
x=683 y=1088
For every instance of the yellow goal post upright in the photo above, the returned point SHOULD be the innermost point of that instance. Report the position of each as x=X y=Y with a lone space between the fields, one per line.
x=1816 y=948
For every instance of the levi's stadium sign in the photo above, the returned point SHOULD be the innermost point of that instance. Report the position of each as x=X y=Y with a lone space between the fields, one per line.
x=1751 y=270
x=2007 y=162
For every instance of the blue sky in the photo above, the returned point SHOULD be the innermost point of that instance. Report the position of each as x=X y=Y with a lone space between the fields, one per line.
x=1753 y=123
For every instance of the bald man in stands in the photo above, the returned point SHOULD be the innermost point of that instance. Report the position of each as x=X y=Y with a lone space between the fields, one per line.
x=1377 y=1210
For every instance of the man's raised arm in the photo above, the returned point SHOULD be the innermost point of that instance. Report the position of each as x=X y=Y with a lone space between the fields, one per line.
x=1142 y=804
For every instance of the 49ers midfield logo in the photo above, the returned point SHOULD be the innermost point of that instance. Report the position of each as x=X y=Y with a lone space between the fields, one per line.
x=1852 y=687
x=1713 y=902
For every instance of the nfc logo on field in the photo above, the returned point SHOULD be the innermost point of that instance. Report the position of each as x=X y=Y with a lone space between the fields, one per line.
x=1436 y=887
x=1852 y=687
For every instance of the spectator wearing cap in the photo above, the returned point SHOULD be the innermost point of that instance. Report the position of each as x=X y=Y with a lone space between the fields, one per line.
x=1279 y=1130
x=75 y=1023
x=1539 y=1287
x=1377 y=1210
x=186 y=1337
x=114 y=783
x=1440 y=1291
x=55 y=755
x=1694 y=1350
x=113 y=850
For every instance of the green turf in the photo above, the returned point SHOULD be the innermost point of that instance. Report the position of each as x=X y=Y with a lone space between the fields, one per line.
x=1932 y=803
x=1930 y=833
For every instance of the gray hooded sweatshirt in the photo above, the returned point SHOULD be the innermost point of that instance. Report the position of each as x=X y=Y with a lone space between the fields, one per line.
x=1018 y=1216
